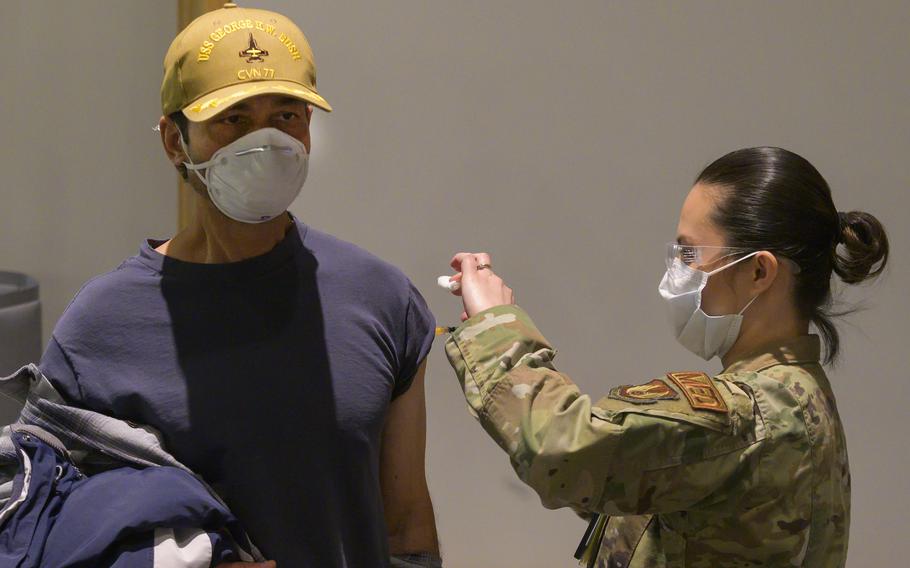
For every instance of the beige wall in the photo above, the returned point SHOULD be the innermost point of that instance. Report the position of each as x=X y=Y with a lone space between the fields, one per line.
x=83 y=175
x=560 y=136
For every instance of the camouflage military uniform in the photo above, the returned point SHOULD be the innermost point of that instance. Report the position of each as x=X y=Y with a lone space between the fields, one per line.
x=748 y=468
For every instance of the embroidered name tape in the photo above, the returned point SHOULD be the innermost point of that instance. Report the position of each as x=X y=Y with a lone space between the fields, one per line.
x=699 y=390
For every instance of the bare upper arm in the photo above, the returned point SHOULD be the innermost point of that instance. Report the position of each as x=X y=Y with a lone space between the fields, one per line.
x=406 y=498
x=404 y=440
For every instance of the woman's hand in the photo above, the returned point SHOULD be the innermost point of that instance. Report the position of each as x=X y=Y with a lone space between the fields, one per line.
x=481 y=289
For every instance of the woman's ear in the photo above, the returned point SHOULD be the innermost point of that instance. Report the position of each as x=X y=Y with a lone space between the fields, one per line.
x=763 y=271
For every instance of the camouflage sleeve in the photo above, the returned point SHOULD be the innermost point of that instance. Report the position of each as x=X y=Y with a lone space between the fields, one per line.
x=659 y=447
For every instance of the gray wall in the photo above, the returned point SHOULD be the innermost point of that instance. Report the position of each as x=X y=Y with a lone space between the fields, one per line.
x=559 y=136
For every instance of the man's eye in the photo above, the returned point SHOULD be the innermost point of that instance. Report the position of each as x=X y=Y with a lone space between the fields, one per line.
x=231 y=119
x=289 y=115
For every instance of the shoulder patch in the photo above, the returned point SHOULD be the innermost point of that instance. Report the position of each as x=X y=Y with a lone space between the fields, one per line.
x=699 y=390
x=648 y=393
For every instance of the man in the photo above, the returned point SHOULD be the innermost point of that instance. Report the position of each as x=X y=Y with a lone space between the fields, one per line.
x=283 y=365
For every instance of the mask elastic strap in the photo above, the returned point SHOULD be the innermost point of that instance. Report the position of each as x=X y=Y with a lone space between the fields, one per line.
x=746 y=307
x=191 y=166
x=737 y=261
x=750 y=255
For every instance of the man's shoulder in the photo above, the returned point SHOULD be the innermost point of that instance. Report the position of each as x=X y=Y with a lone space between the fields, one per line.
x=105 y=293
x=351 y=261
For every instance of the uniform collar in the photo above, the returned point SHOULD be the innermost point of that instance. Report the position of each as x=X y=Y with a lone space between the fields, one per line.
x=802 y=349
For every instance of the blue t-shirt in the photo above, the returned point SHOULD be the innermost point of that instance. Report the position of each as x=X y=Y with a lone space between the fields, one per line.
x=270 y=377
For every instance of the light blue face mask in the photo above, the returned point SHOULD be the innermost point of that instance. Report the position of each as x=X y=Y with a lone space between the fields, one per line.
x=705 y=335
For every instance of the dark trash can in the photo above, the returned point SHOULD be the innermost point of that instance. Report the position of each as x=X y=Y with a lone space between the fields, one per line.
x=20 y=330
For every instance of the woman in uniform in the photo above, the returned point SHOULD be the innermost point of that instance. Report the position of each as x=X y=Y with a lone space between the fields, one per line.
x=745 y=468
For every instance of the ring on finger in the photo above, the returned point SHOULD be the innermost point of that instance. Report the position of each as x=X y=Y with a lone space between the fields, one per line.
x=483 y=266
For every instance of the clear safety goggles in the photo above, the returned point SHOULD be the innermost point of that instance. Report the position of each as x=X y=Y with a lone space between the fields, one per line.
x=695 y=256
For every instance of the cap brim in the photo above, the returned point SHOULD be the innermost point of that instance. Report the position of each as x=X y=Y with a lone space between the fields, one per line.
x=210 y=104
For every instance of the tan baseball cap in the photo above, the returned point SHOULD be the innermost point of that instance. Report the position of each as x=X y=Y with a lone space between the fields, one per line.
x=231 y=54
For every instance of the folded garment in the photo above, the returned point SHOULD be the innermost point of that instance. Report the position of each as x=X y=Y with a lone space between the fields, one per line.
x=132 y=505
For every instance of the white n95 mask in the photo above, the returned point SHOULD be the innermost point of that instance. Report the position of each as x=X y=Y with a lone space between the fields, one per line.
x=256 y=177
x=705 y=335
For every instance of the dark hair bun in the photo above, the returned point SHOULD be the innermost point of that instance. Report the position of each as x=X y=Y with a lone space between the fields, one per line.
x=865 y=243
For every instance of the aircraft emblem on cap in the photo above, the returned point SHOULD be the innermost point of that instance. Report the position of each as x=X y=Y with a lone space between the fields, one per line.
x=253 y=53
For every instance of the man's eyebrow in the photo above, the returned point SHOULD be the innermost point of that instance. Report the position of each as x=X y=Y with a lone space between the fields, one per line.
x=242 y=106
x=285 y=100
